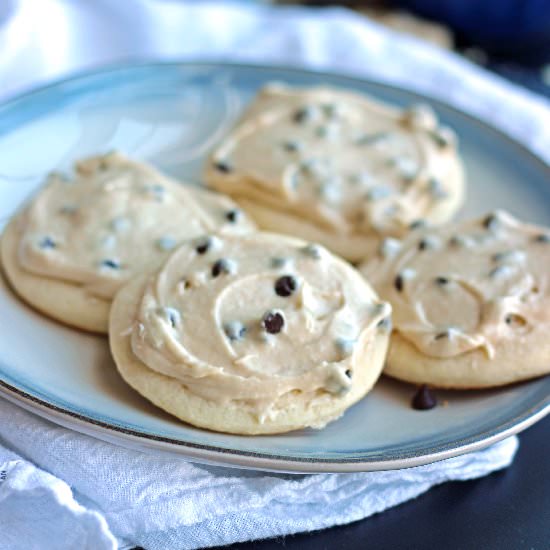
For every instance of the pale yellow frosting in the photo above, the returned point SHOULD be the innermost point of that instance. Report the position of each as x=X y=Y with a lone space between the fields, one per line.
x=469 y=285
x=341 y=161
x=209 y=327
x=115 y=218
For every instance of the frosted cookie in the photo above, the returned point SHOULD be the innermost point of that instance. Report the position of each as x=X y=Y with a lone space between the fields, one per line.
x=80 y=239
x=471 y=302
x=253 y=334
x=338 y=168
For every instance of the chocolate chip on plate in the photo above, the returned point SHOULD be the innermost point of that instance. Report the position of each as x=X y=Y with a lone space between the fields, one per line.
x=423 y=399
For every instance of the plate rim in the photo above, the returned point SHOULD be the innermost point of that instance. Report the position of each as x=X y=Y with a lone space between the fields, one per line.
x=253 y=460
x=266 y=461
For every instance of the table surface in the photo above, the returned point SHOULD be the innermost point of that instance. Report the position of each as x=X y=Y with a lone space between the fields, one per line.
x=506 y=510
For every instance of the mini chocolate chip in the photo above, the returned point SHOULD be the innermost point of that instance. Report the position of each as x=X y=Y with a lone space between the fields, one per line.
x=233 y=215
x=222 y=166
x=417 y=224
x=312 y=250
x=443 y=334
x=166 y=243
x=460 y=240
x=440 y=138
x=203 y=247
x=234 y=330
x=285 y=285
x=542 y=238
x=490 y=222
x=399 y=282
x=348 y=373
x=500 y=271
x=171 y=315
x=368 y=139
x=119 y=224
x=423 y=399
x=156 y=190
x=302 y=115
x=322 y=131
x=378 y=192
x=47 y=242
x=279 y=262
x=68 y=209
x=516 y=320
x=329 y=109
x=291 y=146
x=345 y=346
x=111 y=264
x=510 y=256
x=442 y=281
x=423 y=244
x=385 y=324
x=389 y=247
x=436 y=189
x=273 y=322
x=222 y=266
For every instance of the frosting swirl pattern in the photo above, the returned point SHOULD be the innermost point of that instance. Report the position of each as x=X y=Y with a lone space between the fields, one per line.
x=475 y=284
x=250 y=319
x=344 y=163
x=116 y=218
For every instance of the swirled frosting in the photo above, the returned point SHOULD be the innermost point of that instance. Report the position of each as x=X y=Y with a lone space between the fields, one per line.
x=341 y=161
x=252 y=318
x=114 y=219
x=468 y=285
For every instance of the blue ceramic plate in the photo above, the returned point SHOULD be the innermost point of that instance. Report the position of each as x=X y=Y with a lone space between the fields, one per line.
x=171 y=115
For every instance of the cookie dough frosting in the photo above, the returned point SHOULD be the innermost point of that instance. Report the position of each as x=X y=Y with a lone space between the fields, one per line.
x=263 y=327
x=331 y=166
x=477 y=291
x=114 y=219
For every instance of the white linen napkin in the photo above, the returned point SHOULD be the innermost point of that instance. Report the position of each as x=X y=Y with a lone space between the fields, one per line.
x=58 y=485
x=130 y=498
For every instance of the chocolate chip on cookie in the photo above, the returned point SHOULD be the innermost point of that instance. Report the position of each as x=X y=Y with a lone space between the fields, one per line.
x=273 y=322
x=111 y=264
x=302 y=115
x=542 y=238
x=313 y=251
x=166 y=243
x=233 y=215
x=234 y=330
x=285 y=285
x=204 y=245
x=223 y=266
x=222 y=166
x=47 y=242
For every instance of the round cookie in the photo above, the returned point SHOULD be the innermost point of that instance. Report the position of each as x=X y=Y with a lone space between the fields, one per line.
x=252 y=335
x=338 y=168
x=79 y=240
x=471 y=302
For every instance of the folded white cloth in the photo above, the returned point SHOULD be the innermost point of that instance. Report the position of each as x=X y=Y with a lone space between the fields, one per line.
x=159 y=503
x=57 y=485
